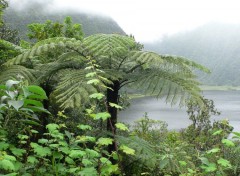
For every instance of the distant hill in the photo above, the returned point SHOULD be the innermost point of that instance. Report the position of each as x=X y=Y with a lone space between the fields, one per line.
x=214 y=45
x=91 y=23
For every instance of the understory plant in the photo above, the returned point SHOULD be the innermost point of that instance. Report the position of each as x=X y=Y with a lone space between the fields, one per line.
x=57 y=151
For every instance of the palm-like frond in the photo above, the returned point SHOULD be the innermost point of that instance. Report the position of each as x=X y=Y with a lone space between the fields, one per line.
x=145 y=154
x=6 y=44
x=73 y=90
x=16 y=70
x=174 y=86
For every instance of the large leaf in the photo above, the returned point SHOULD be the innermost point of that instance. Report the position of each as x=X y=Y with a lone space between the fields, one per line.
x=16 y=104
x=37 y=92
x=10 y=83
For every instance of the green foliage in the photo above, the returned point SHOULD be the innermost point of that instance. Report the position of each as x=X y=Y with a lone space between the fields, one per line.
x=201 y=129
x=3 y=5
x=121 y=61
x=57 y=151
x=8 y=50
x=39 y=31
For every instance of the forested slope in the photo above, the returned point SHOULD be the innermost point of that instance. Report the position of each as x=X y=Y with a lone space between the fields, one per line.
x=91 y=24
x=214 y=45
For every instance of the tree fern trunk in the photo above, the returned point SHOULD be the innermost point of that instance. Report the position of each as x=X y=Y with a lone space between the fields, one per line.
x=112 y=96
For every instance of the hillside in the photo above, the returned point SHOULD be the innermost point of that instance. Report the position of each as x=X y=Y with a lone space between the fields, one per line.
x=91 y=23
x=214 y=45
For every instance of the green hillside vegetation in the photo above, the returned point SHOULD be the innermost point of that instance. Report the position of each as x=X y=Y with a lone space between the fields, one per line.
x=214 y=45
x=91 y=24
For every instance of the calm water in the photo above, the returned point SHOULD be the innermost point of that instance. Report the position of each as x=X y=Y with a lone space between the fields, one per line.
x=227 y=102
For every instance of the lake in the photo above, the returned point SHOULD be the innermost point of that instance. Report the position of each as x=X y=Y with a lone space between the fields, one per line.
x=227 y=102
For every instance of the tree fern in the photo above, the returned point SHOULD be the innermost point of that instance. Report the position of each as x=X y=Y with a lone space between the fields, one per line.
x=122 y=62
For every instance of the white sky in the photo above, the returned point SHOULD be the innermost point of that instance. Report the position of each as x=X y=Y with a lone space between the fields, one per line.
x=149 y=20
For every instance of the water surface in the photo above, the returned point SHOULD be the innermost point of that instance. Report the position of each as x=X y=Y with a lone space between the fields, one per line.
x=227 y=102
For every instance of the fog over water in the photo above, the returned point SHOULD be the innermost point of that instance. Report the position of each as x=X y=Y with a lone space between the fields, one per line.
x=227 y=102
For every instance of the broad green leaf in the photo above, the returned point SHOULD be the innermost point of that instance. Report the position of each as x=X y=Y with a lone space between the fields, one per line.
x=224 y=163
x=84 y=139
x=10 y=157
x=182 y=163
x=32 y=103
x=104 y=141
x=217 y=132
x=102 y=115
x=7 y=165
x=228 y=142
x=57 y=155
x=73 y=170
x=110 y=169
x=98 y=96
x=31 y=122
x=210 y=168
x=127 y=150
x=115 y=106
x=77 y=154
x=122 y=127
x=16 y=104
x=10 y=83
x=32 y=160
x=34 y=131
x=18 y=152
x=3 y=145
x=214 y=150
x=52 y=127
x=37 y=92
x=69 y=160
x=92 y=153
x=42 y=141
x=84 y=127
x=88 y=171
x=41 y=151
x=87 y=162
x=204 y=160
x=105 y=160
x=37 y=109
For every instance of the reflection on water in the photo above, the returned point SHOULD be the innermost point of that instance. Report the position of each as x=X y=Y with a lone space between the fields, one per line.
x=227 y=102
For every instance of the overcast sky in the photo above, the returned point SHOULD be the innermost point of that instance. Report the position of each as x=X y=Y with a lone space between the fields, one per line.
x=149 y=20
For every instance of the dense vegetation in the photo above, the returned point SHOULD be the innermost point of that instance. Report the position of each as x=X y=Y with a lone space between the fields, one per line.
x=34 y=13
x=61 y=94
x=214 y=45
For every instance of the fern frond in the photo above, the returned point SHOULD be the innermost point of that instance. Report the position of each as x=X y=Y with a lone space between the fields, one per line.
x=109 y=45
x=145 y=154
x=46 y=46
x=70 y=60
x=73 y=90
x=16 y=70
x=174 y=86
x=9 y=45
